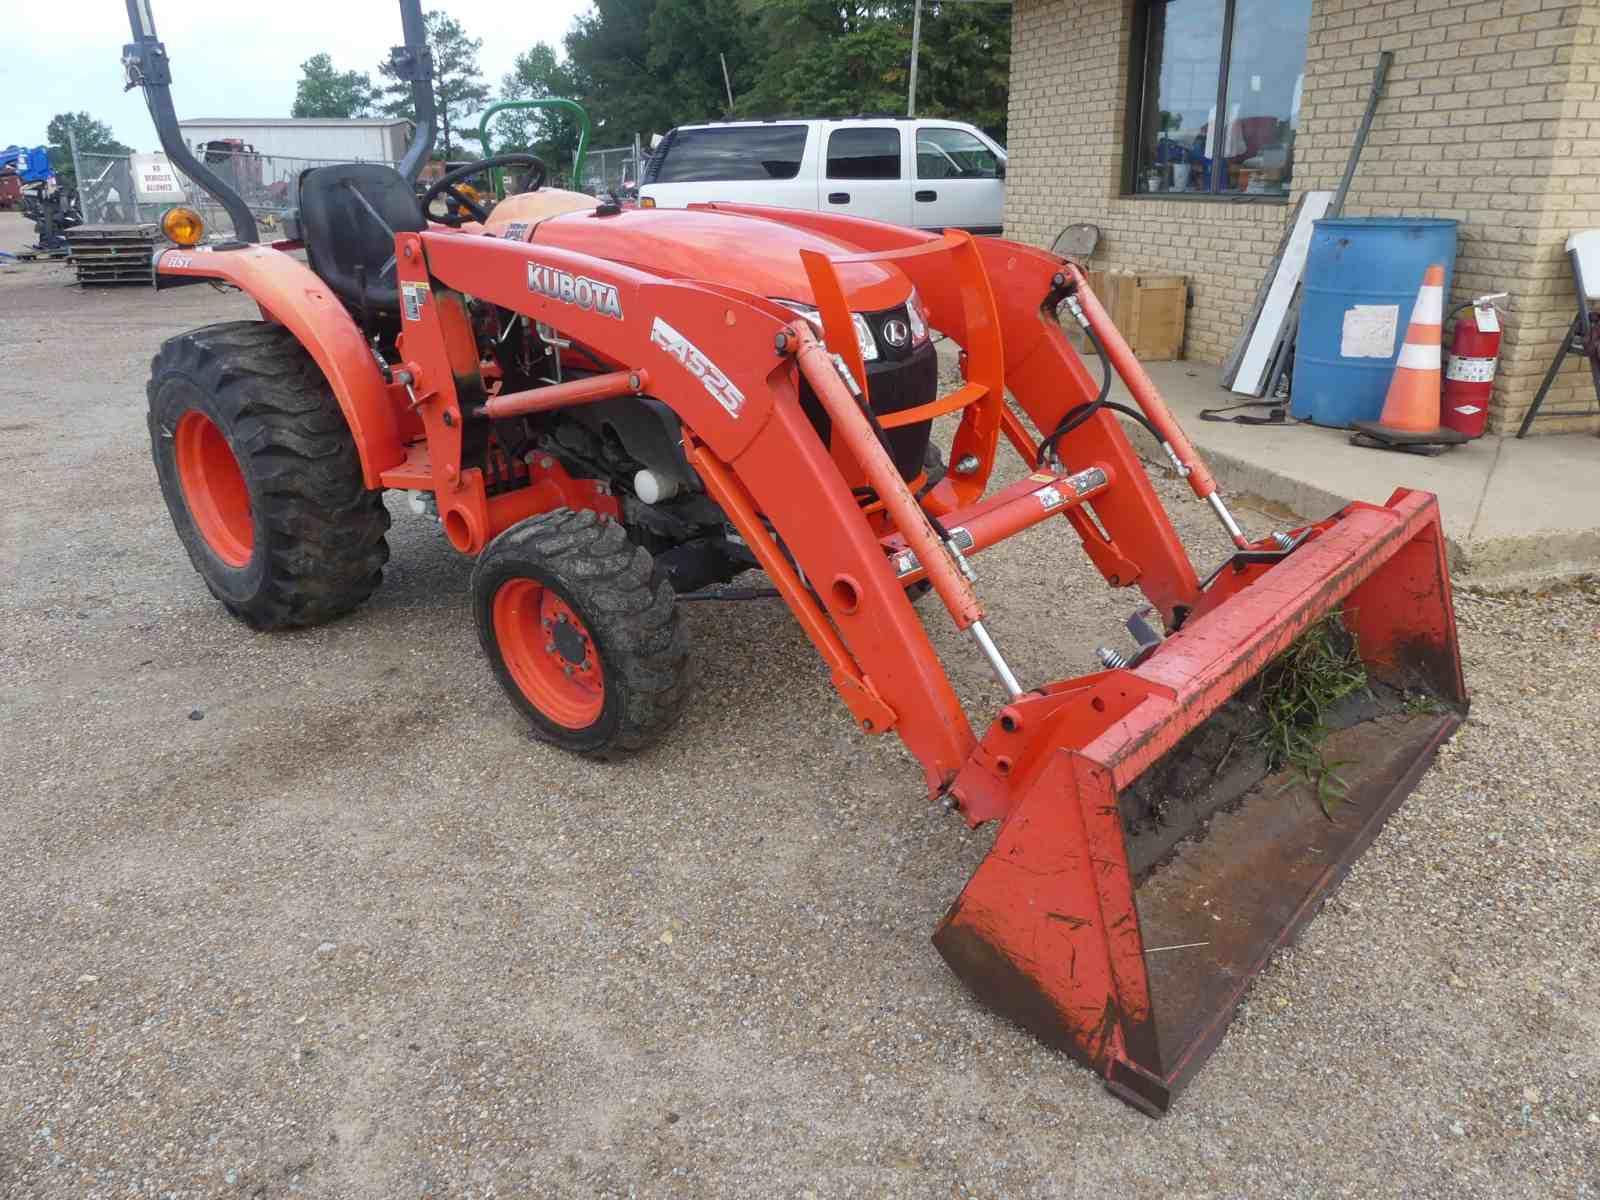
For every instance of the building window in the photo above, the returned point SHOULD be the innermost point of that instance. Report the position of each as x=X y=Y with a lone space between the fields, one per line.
x=1243 y=59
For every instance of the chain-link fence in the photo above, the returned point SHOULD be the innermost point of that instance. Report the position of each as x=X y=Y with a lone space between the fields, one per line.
x=107 y=194
x=614 y=170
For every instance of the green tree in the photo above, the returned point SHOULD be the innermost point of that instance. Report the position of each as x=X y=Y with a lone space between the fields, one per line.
x=964 y=68
x=608 y=50
x=551 y=134
x=860 y=70
x=457 y=90
x=94 y=137
x=841 y=58
x=688 y=41
x=324 y=92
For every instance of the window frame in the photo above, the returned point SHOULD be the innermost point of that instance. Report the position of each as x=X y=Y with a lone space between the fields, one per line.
x=845 y=127
x=916 y=155
x=681 y=135
x=1134 y=112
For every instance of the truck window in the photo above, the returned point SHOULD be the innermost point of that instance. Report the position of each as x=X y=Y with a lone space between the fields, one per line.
x=954 y=154
x=733 y=153
x=864 y=154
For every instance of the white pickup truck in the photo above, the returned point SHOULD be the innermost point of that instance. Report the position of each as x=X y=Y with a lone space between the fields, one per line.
x=930 y=173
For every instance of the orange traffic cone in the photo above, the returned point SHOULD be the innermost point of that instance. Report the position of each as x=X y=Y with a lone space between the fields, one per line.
x=1410 y=419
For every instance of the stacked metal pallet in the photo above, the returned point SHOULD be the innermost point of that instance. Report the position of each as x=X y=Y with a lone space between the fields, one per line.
x=106 y=254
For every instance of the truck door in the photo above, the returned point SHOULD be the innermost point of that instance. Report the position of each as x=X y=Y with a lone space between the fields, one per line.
x=864 y=172
x=959 y=183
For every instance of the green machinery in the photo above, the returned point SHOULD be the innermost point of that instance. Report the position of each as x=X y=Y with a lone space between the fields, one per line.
x=571 y=106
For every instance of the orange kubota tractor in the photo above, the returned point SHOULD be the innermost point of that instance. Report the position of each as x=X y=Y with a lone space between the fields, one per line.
x=608 y=408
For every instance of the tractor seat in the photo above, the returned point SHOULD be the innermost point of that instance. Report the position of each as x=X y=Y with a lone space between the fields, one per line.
x=349 y=214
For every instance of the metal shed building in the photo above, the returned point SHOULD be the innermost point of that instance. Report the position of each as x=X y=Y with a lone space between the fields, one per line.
x=381 y=139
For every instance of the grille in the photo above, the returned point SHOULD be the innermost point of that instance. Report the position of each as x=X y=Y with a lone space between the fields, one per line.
x=900 y=379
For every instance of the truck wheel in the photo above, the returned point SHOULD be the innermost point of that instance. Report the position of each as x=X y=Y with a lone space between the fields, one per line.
x=582 y=631
x=261 y=476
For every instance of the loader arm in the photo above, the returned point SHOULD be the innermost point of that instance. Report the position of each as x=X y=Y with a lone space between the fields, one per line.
x=1047 y=378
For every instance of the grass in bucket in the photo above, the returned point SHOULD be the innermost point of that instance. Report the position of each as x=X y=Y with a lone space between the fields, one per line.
x=1298 y=690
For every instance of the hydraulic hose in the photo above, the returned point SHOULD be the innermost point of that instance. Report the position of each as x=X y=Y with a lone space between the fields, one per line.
x=1154 y=414
x=1048 y=449
x=1077 y=416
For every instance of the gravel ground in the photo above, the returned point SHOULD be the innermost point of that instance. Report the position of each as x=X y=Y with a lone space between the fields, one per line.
x=309 y=914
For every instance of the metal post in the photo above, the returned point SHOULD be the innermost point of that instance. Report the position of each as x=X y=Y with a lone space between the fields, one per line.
x=413 y=63
x=1335 y=210
x=1379 y=78
x=145 y=65
x=725 y=82
x=916 y=44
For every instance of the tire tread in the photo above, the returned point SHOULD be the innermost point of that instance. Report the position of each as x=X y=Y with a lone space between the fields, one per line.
x=632 y=607
x=326 y=530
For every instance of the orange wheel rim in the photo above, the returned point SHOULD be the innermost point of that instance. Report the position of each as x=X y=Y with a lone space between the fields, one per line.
x=214 y=488
x=549 y=652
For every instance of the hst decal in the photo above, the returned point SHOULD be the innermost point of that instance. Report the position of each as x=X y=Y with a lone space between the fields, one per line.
x=698 y=365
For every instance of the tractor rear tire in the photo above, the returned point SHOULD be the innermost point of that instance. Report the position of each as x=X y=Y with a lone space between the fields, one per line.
x=261 y=475
x=583 y=633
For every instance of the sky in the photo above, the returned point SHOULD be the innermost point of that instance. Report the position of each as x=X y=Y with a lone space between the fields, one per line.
x=228 y=60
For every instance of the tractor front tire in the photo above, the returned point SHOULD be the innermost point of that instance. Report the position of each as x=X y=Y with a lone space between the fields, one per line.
x=582 y=631
x=261 y=475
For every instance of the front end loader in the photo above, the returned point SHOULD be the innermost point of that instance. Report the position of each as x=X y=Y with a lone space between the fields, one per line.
x=610 y=410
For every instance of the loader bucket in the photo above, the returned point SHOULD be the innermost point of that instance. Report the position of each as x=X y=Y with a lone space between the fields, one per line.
x=1146 y=870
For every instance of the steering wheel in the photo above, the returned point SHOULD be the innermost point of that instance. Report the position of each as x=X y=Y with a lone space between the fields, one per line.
x=446 y=184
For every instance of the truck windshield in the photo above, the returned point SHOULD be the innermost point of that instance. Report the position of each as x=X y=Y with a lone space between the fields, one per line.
x=734 y=152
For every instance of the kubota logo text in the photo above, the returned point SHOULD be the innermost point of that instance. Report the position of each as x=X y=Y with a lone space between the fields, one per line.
x=580 y=290
x=701 y=367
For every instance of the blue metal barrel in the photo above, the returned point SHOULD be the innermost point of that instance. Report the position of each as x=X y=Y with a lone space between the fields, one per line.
x=1360 y=283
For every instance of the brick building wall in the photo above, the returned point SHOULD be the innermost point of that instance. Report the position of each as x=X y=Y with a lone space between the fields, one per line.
x=1490 y=118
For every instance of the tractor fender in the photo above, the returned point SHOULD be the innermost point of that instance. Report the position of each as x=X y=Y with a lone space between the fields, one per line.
x=290 y=294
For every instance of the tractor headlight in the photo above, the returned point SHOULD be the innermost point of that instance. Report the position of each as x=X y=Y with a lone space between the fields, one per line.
x=918 y=319
x=182 y=226
x=864 y=338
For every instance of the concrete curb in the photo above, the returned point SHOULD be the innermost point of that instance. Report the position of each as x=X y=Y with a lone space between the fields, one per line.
x=1514 y=562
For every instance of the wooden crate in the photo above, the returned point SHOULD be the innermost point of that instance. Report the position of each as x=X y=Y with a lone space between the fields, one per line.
x=1150 y=310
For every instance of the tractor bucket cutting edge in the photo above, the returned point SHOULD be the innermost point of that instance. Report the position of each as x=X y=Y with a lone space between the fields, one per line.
x=1125 y=928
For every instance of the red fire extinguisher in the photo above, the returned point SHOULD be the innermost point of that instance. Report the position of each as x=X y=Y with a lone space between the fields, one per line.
x=1469 y=375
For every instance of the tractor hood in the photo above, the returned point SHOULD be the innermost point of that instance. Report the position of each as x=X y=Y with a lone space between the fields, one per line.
x=755 y=255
